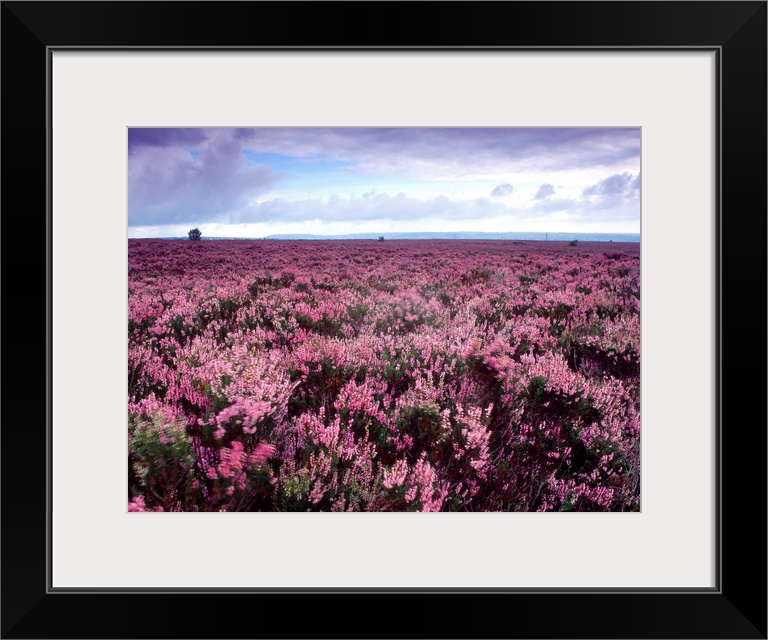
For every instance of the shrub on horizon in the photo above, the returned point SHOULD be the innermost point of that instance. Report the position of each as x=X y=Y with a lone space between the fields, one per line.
x=195 y=234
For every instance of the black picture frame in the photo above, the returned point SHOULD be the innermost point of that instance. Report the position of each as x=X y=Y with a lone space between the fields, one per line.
x=736 y=608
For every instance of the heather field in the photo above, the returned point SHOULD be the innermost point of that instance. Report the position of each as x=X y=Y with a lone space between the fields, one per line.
x=383 y=376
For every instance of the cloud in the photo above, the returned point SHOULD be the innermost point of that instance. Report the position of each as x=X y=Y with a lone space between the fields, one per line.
x=197 y=175
x=617 y=195
x=164 y=137
x=550 y=205
x=448 y=153
x=166 y=184
x=617 y=184
x=380 y=206
x=385 y=213
x=544 y=191
x=400 y=207
x=502 y=190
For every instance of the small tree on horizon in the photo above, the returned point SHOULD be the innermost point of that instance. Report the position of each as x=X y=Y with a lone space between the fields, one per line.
x=381 y=238
x=194 y=234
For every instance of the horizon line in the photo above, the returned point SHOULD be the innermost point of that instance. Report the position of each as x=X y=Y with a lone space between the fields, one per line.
x=561 y=236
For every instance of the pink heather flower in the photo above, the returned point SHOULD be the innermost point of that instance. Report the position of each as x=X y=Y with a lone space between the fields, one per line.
x=396 y=476
x=211 y=473
x=137 y=504
x=261 y=453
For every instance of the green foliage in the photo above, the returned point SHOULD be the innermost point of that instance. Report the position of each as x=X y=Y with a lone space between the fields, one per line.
x=260 y=285
x=160 y=459
x=320 y=386
x=294 y=493
x=324 y=326
x=477 y=274
x=424 y=425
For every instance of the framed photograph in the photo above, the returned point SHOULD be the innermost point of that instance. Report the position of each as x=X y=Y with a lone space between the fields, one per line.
x=577 y=487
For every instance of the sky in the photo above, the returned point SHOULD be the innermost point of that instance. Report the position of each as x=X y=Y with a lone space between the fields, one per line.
x=256 y=182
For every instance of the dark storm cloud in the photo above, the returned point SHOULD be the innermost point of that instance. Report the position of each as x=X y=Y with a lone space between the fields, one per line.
x=164 y=137
x=544 y=191
x=453 y=149
x=167 y=185
x=502 y=190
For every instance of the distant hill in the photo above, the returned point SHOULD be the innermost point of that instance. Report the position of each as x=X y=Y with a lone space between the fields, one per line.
x=469 y=235
x=458 y=235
